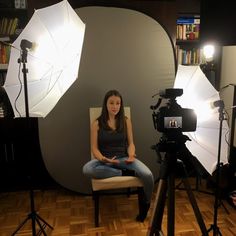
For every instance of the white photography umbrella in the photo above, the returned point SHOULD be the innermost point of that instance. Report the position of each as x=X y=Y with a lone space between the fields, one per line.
x=199 y=94
x=57 y=35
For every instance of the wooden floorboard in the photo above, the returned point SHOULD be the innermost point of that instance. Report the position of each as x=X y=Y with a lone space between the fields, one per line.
x=73 y=214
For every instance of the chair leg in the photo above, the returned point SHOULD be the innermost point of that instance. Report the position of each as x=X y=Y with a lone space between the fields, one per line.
x=96 y=207
x=128 y=192
x=140 y=198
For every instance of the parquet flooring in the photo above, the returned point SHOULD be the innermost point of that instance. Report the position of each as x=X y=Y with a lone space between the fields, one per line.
x=72 y=214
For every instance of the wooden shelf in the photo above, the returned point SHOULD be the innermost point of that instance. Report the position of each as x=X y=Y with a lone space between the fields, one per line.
x=3 y=66
x=187 y=42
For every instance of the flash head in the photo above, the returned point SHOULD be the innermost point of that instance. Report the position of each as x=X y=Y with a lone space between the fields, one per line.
x=25 y=44
x=171 y=93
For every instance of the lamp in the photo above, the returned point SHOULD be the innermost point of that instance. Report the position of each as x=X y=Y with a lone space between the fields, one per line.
x=208 y=52
x=208 y=66
x=52 y=68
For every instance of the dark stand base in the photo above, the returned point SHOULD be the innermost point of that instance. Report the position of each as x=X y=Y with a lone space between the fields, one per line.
x=35 y=218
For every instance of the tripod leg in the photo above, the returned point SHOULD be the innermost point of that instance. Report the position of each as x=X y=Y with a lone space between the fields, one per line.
x=171 y=205
x=221 y=203
x=195 y=207
x=158 y=210
x=21 y=225
x=45 y=223
x=42 y=227
x=215 y=229
x=193 y=202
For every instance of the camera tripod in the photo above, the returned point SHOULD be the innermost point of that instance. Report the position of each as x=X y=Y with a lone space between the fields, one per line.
x=167 y=182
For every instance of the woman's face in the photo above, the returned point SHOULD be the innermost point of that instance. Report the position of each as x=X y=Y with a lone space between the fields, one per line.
x=113 y=105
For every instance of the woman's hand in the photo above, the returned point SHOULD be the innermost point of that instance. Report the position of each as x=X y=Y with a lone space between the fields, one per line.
x=112 y=160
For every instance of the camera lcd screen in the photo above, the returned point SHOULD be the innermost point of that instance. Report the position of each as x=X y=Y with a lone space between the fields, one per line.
x=173 y=122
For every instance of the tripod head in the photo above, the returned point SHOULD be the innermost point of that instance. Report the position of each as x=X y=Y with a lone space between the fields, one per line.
x=172 y=142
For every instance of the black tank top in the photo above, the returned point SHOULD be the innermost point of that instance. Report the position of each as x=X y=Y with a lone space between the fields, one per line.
x=112 y=143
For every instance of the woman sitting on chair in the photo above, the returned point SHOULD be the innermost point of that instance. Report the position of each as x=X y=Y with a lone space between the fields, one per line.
x=114 y=150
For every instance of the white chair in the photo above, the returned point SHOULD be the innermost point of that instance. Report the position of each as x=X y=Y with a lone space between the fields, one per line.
x=118 y=182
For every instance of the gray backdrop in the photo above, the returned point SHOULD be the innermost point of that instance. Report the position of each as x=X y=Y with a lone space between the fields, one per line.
x=124 y=50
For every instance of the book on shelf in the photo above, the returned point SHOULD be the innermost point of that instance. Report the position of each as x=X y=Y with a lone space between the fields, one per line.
x=193 y=56
x=8 y=26
x=4 y=23
x=13 y=26
x=4 y=53
x=186 y=21
x=188 y=28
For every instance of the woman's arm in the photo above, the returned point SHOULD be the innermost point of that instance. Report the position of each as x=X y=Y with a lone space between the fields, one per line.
x=94 y=141
x=131 y=146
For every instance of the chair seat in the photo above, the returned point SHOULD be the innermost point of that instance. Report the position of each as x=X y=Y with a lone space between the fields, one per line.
x=116 y=182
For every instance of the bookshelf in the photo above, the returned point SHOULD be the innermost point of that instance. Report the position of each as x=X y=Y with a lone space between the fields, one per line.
x=12 y=22
x=188 y=51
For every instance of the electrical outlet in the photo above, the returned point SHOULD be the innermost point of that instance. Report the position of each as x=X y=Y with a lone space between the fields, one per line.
x=17 y=4
x=23 y=4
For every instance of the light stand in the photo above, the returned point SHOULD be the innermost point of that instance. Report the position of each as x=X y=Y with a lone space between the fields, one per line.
x=214 y=226
x=25 y=45
x=232 y=159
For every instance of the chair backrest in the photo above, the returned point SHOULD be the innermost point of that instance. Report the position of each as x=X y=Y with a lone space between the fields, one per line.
x=94 y=113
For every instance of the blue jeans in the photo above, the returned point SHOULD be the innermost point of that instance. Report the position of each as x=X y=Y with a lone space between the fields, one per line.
x=100 y=170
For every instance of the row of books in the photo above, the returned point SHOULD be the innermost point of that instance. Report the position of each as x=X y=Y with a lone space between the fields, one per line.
x=4 y=53
x=8 y=26
x=188 y=29
x=192 y=56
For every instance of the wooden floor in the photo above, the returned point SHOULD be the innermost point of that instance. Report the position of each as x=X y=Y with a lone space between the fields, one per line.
x=72 y=214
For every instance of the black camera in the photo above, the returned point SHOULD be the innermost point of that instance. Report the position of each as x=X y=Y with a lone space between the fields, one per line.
x=172 y=118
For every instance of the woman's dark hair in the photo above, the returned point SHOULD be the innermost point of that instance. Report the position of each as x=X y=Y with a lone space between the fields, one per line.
x=120 y=117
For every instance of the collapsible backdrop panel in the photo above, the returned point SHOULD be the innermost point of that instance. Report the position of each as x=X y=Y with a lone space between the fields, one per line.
x=124 y=50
